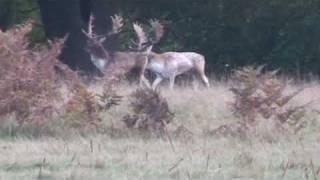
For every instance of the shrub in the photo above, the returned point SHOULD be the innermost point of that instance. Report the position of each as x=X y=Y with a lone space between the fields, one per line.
x=28 y=77
x=262 y=104
x=83 y=109
x=31 y=79
x=150 y=111
x=261 y=95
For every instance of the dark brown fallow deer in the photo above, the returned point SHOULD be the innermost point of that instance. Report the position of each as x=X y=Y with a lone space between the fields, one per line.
x=114 y=65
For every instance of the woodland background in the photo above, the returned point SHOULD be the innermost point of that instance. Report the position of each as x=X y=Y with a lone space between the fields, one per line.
x=230 y=33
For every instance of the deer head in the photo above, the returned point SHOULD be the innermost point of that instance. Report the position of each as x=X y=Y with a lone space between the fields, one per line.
x=145 y=43
x=99 y=55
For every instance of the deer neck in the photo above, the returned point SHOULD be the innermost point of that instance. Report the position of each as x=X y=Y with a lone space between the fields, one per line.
x=100 y=57
x=157 y=63
x=156 y=58
x=100 y=63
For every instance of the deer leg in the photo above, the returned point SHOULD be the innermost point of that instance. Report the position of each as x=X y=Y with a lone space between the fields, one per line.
x=205 y=79
x=203 y=76
x=200 y=68
x=143 y=79
x=194 y=80
x=172 y=79
x=156 y=82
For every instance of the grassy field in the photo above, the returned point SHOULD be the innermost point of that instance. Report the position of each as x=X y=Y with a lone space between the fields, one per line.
x=192 y=154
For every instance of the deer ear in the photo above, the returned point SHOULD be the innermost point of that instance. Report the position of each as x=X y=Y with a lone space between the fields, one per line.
x=101 y=40
x=147 y=47
x=148 y=50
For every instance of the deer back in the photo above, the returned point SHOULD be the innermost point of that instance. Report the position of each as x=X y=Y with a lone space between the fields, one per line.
x=124 y=62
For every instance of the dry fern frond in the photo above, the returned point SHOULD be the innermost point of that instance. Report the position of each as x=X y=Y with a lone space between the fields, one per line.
x=30 y=83
x=84 y=104
x=259 y=94
x=150 y=111
x=28 y=77
x=84 y=107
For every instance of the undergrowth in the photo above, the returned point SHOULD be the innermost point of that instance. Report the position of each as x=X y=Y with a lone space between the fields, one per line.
x=262 y=98
x=31 y=96
x=28 y=77
x=30 y=85
x=150 y=111
x=85 y=107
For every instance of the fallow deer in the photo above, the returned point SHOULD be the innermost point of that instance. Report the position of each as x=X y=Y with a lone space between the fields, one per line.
x=114 y=65
x=170 y=64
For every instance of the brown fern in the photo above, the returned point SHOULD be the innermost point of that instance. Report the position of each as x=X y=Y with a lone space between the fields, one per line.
x=150 y=111
x=259 y=94
x=28 y=77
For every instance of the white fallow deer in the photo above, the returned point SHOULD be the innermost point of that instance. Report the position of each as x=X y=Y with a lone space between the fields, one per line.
x=170 y=64
x=116 y=64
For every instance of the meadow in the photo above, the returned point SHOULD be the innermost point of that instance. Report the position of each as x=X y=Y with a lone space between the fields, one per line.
x=56 y=125
x=190 y=151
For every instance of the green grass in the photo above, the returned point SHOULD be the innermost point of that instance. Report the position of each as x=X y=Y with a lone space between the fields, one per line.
x=26 y=153
x=134 y=158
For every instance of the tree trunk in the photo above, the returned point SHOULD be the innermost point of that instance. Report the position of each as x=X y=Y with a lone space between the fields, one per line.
x=5 y=14
x=102 y=10
x=68 y=17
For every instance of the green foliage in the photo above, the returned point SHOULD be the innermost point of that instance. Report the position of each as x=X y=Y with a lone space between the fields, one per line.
x=37 y=35
x=17 y=11
x=282 y=34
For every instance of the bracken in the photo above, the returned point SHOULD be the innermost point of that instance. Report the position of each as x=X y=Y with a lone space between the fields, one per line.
x=259 y=94
x=28 y=78
x=150 y=111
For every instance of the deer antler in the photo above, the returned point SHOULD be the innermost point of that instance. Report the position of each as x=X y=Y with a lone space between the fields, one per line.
x=90 y=33
x=90 y=25
x=158 y=29
x=141 y=35
x=143 y=39
x=117 y=23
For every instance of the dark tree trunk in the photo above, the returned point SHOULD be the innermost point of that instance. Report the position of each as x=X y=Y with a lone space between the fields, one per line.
x=68 y=17
x=85 y=10
x=102 y=10
x=5 y=14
